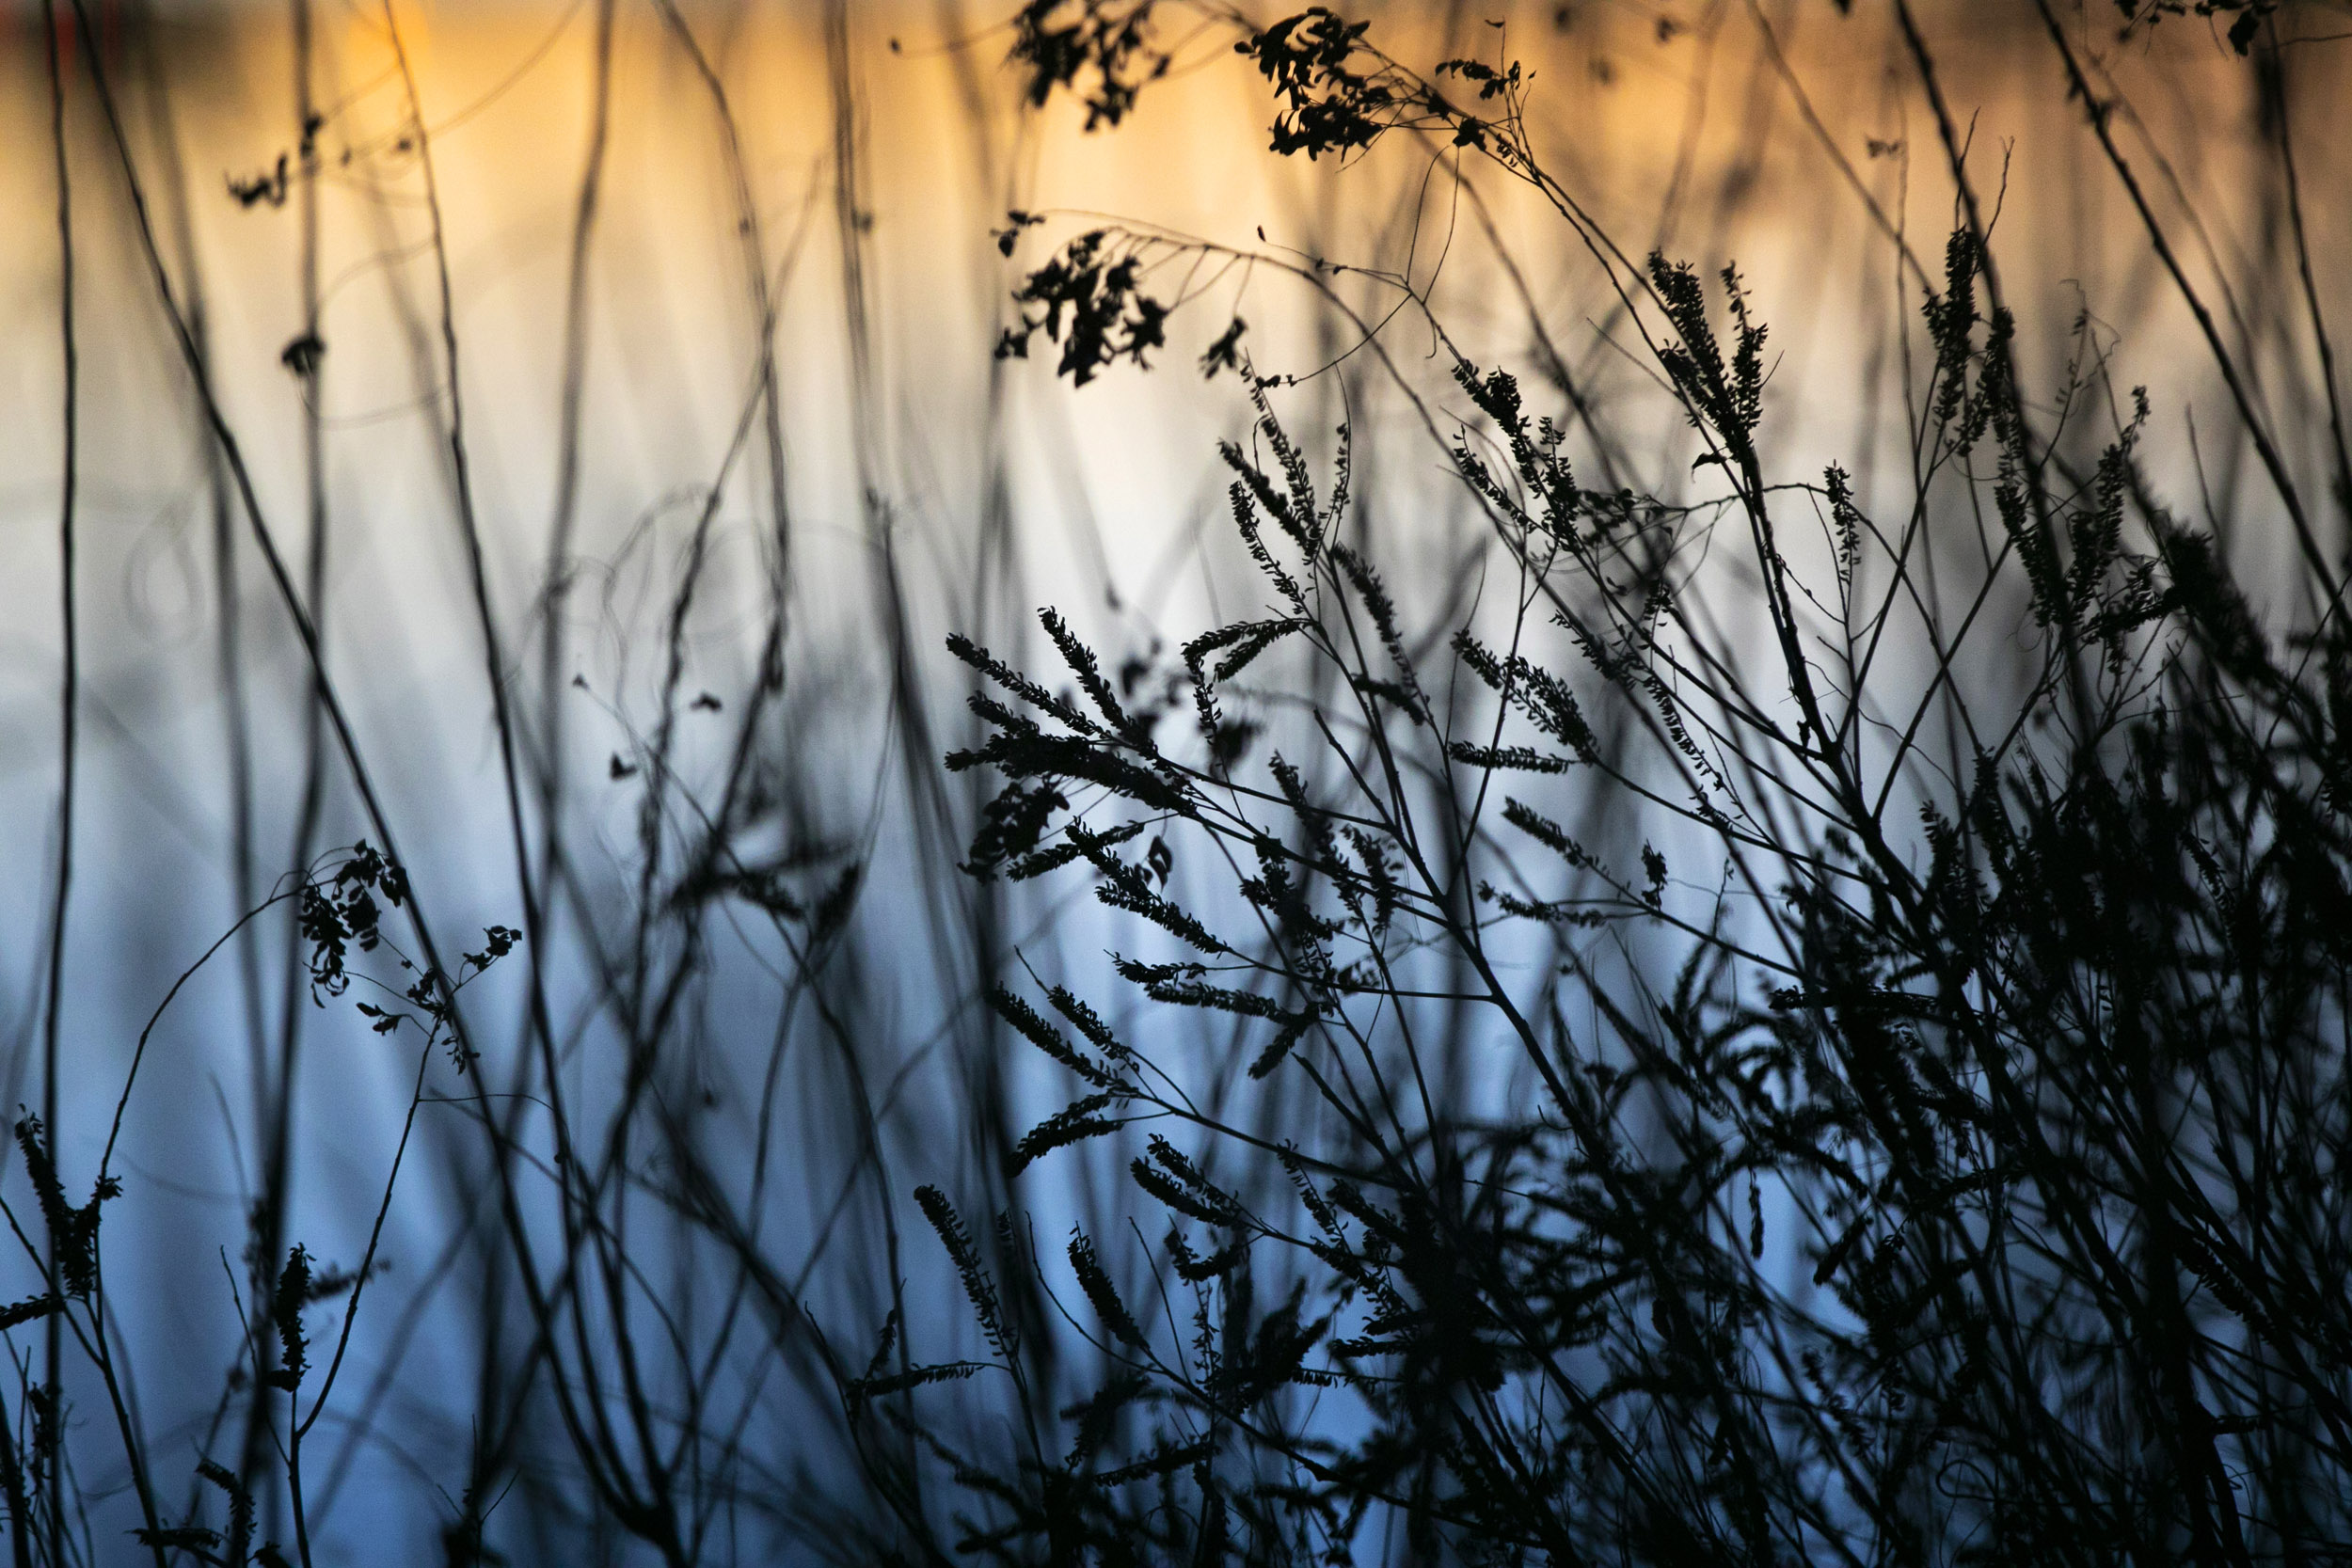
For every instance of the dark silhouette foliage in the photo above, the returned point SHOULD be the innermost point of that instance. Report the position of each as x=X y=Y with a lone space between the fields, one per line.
x=1775 y=1014
x=1968 y=1185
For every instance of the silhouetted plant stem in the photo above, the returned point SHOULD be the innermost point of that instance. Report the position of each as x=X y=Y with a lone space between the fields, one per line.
x=2096 y=112
x=21 y=1527
x=68 y=705
x=2271 y=78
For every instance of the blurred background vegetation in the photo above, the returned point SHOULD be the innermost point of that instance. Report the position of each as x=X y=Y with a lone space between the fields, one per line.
x=489 y=490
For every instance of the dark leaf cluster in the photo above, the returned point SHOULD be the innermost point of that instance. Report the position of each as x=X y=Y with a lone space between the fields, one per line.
x=1088 y=298
x=1105 y=50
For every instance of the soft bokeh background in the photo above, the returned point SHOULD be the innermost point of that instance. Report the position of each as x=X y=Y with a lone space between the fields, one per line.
x=926 y=487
